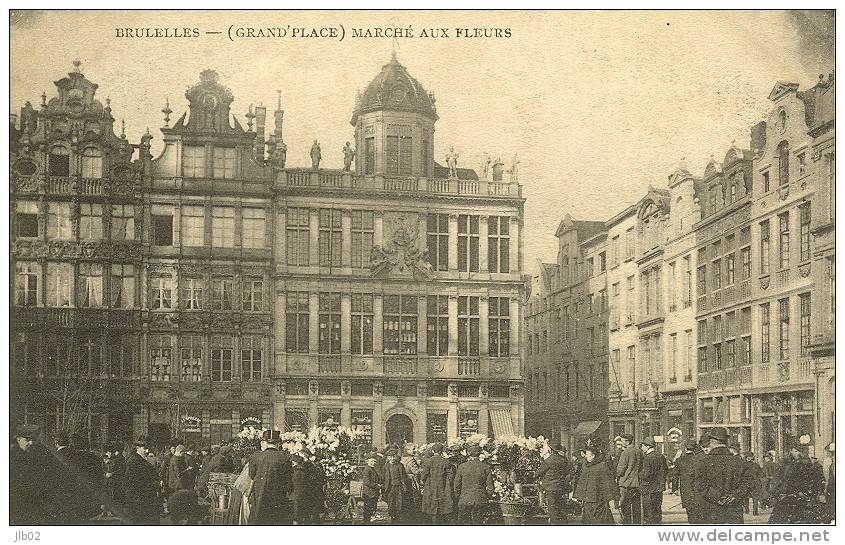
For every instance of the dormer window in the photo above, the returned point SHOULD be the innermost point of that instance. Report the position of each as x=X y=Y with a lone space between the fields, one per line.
x=92 y=163
x=59 y=161
x=783 y=163
x=193 y=162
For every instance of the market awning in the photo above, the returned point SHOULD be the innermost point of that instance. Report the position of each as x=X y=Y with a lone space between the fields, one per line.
x=502 y=423
x=588 y=427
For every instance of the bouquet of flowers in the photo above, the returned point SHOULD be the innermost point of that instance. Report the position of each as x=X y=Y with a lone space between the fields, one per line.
x=247 y=441
x=504 y=493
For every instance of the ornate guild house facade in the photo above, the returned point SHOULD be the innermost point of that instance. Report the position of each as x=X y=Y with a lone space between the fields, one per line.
x=209 y=288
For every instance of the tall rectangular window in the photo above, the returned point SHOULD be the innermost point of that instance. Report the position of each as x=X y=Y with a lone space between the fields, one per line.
x=363 y=232
x=222 y=226
x=26 y=219
x=398 y=155
x=802 y=163
x=717 y=274
x=193 y=161
x=673 y=339
x=783 y=222
x=765 y=332
x=362 y=323
x=730 y=352
x=331 y=238
x=122 y=222
x=745 y=257
x=26 y=284
x=804 y=212
x=296 y=322
x=614 y=251
x=702 y=280
x=59 y=282
x=161 y=293
x=161 y=356
x=59 y=162
x=468 y=243
x=437 y=227
x=252 y=356
x=702 y=359
x=498 y=244
x=499 y=326
x=805 y=323
x=254 y=227
x=92 y=163
x=221 y=358
x=190 y=358
x=193 y=225
x=122 y=286
x=59 y=224
x=688 y=353
x=400 y=325
x=783 y=311
x=298 y=234
x=629 y=243
x=90 y=293
x=224 y=163
x=564 y=333
x=329 y=323
x=122 y=348
x=672 y=283
x=162 y=229
x=767 y=186
x=831 y=285
x=437 y=325
x=221 y=293
x=468 y=326
x=717 y=356
x=90 y=221
x=369 y=156
x=687 y=281
x=253 y=294
x=190 y=293
x=765 y=246
x=730 y=268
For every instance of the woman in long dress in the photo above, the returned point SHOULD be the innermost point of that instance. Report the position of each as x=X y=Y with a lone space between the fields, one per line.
x=595 y=487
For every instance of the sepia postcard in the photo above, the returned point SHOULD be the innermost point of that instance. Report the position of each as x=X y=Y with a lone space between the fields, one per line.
x=427 y=268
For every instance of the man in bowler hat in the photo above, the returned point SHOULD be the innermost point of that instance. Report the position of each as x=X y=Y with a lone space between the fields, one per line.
x=272 y=474
x=722 y=481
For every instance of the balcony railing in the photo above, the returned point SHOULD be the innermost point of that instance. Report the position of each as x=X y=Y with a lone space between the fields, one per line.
x=298 y=177
x=400 y=365
x=59 y=184
x=469 y=366
x=91 y=186
x=329 y=364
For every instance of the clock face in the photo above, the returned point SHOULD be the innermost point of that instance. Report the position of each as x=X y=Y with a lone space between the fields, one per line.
x=398 y=94
x=209 y=101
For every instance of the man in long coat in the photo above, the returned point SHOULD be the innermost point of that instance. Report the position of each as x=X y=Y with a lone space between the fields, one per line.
x=141 y=487
x=685 y=466
x=437 y=478
x=473 y=487
x=370 y=487
x=652 y=480
x=722 y=481
x=25 y=480
x=396 y=486
x=628 y=477
x=554 y=480
x=271 y=473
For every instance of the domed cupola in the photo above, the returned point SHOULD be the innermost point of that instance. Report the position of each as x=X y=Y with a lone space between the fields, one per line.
x=394 y=125
x=395 y=90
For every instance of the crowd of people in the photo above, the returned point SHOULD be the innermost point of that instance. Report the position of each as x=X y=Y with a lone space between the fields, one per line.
x=67 y=483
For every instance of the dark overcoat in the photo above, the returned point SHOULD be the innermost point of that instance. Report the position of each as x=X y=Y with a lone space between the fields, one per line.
x=395 y=485
x=473 y=483
x=437 y=478
x=721 y=482
x=270 y=471
x=554 y=473
x=685 y=466
x=371 y=483
x=141 y=490
x=596 y=483
x=653 y=472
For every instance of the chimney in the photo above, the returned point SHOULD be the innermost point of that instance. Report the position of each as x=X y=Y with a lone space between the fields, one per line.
x=279 y=116
x=260 y=118
x=758 y=137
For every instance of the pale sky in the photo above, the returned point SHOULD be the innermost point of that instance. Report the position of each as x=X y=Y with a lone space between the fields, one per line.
x=598 y=105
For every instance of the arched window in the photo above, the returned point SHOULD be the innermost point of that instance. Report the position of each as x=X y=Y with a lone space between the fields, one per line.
x=59 y=161
x=92 y=163
x=783 y=163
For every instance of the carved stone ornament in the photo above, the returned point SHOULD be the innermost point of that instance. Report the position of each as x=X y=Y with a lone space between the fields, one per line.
x=345 y=388
x=378 y=389
x=500 y=367
x=482 y=390
x=359 y=364
x=764 y=282
x=281 y=388
x=296 y=365
x=453 y=390
x=437 y=366
x=313 y=387
x=401 y=256
x=804 y=270
x=783 y=371
x=514 y=390
x=422 y=389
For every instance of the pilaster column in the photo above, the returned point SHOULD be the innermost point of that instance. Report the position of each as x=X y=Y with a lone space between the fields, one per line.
x=452 y=415
x=453 y=325
x=345 y=323
x=453 y=242
x=378 y=228
x=516 y=325
x=483 y=258
x=346 y=236
x=378 y=323
x=378 y=423
x=515 y=263
x=422 y=332
x=280 y=251
x=280 y=333
x=313 y=322
x=279 y=415
x=484 y=325
x=314 y=237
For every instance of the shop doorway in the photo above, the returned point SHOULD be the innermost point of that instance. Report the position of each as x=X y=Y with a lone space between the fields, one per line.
x=399 y=430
